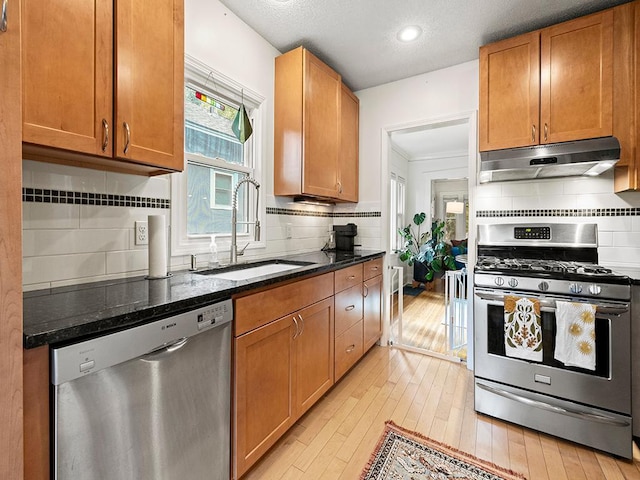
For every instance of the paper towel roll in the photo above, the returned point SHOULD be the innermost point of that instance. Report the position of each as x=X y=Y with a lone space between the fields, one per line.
x=157 y=246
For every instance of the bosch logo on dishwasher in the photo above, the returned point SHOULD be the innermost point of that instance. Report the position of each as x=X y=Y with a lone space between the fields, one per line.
x=169 y=325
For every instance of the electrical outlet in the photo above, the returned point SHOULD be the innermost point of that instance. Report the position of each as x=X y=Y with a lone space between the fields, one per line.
x=142 y=233
x=287 y=231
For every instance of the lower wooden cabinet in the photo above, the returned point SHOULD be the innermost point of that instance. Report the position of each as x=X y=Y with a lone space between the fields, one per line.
x=282 y=368
x=348 y=349
x=372 y=313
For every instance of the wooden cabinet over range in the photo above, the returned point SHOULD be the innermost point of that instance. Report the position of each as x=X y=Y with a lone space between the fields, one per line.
x=316 y=130
x=103 y=84
x=572 y=81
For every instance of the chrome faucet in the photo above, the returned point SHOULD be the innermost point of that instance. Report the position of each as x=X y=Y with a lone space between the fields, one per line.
x=234 y=253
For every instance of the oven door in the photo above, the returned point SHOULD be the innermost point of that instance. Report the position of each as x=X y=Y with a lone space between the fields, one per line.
x=607 y=387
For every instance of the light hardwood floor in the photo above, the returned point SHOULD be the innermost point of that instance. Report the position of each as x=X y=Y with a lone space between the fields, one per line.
x=423 y=321
x=434 y=397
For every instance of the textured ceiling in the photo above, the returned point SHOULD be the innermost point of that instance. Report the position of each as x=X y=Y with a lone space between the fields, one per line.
x=357 y=38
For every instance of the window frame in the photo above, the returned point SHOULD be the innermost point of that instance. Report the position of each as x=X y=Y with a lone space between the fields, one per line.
x=200 y=76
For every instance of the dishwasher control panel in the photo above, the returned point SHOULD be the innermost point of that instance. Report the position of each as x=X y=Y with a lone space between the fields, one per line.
x=216 y=313
x=146 y=341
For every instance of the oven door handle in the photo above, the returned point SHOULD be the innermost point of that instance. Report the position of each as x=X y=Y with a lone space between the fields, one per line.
x=550 y=304
x=555 y=408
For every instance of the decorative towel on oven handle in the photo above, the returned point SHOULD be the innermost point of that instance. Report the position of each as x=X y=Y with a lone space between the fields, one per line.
x=576 y=334
x=522 y=328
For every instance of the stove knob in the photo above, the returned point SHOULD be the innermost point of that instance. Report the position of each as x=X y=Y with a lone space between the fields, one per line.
x=499 y=281
x=595 y=289
x=575 y=288
x=513 y=282
x=543 y=286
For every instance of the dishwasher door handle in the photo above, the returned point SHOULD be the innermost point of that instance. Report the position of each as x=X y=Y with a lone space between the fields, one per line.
x=164 y=350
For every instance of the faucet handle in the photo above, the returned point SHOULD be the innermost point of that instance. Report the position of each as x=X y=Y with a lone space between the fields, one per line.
x=241 y=252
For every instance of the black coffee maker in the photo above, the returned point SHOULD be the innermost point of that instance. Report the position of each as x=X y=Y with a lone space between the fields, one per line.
x=345 y=235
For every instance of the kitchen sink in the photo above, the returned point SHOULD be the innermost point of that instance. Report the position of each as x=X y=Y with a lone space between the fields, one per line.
x=252 y=270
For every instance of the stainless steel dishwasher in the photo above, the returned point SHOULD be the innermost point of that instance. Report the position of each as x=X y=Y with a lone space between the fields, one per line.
x=151 y=402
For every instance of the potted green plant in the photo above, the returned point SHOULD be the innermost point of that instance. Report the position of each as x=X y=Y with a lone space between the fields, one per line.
x=427 y=249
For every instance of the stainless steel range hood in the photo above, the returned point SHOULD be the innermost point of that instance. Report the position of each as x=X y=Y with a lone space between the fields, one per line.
x=583 y=157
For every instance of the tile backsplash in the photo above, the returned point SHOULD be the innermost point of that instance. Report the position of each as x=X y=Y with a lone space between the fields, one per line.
x=78 y=225
x=573 y=199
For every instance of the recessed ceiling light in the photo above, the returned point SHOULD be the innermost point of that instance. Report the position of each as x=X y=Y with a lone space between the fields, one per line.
x=410 y=33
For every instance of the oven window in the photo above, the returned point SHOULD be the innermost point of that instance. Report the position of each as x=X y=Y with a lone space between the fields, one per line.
x=496 y=345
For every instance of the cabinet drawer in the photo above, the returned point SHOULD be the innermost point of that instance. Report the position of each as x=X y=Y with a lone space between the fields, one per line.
x=348 y=349
x=373 y=268
x=348 y=277
x=255 y=310
x=348 y=308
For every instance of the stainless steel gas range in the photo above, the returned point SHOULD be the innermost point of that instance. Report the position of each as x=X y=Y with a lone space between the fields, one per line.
x=552 y=334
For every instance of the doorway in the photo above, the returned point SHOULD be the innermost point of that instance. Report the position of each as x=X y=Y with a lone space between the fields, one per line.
x=432 y=158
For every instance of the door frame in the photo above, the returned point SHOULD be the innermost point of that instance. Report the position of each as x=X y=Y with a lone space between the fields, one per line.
x=471 y=117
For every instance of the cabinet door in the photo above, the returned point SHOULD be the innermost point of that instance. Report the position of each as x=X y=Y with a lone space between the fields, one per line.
x=577 y=79
x=263 y=386
x=150 y=82
x=67 y=71
x=510 y=92
x=321 y=123
x=372 y=314
x=314 y=354
x=348 y=159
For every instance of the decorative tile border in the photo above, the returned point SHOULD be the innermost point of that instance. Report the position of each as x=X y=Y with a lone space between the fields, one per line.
x=316 y=213
x=45 y=195
x=568 y=212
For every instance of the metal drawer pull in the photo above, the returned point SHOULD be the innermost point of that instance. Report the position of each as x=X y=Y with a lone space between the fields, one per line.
x=302 y=321
x=374 y=268
x=366 y=290
x=349 y=308
x=351 y=348
x=555 y=408
x=295 y=335
x=128 y=138
x=3 y=19
x=351 y=277
x=105 y=134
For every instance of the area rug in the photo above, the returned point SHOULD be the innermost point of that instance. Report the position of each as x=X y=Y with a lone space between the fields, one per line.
x=413 y=291
x=405 y=455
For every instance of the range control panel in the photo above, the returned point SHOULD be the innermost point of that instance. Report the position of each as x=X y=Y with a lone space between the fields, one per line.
x=532 y=233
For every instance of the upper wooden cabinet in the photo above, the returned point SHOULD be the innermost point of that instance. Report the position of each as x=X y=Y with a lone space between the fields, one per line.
x=548 y=86
x=104 y=80
x=348 y=153
x=316 y=137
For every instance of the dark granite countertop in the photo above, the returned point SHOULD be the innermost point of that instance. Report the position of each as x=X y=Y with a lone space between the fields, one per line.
x=65 y=314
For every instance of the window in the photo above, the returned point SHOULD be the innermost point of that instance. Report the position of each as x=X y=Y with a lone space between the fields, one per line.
x=215 y=161
x=397 y=211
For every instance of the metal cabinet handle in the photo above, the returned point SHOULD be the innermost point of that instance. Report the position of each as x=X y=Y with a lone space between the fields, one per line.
x=105 y=134
x=351 y=348
x=546 y=131
x=366 y=293
x=295 y=335
x=533 y=133
x=349 y=308
x=128 y=137
x=302 y=321
x=351 y=277
x=3 y=18
x=374 y=268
